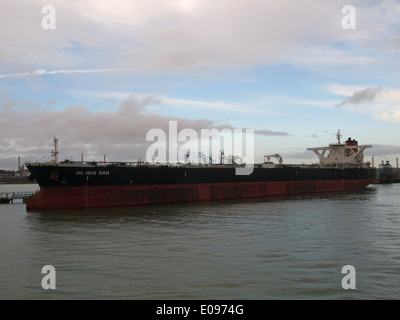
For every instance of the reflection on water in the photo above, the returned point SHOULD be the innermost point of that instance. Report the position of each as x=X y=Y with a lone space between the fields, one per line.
x=281 y=247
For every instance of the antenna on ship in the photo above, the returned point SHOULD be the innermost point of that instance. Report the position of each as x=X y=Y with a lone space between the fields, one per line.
x=187 y=156
x=55 y=152
x=338 y=136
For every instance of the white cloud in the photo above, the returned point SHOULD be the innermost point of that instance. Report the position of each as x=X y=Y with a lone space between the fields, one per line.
x=40 y=72
x=207 y=104
x=390 y=116
x=389 y=96
x=361 y=96
x=322 y=57
x=122 y=135
x=342 y=90
x=381 y=103
x=158 y=34
x=144 y=37
x=174 y=102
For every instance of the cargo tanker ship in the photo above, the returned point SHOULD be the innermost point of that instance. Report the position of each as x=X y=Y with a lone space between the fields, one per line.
x=68 y=184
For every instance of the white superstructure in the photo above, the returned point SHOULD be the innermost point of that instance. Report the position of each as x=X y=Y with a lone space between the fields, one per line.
x=341 y=154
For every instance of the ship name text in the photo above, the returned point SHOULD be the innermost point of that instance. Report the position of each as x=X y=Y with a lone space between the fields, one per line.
x=92 y=173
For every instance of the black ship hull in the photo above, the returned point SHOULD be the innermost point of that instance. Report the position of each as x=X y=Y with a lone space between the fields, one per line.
x=73 y=185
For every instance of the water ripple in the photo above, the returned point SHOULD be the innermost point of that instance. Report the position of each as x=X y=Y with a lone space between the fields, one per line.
x=277 y=248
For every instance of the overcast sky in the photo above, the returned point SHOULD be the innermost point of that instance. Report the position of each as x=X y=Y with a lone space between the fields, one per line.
x=111 y=71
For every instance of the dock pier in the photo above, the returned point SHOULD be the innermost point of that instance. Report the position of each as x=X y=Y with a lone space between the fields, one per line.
x=6 y=198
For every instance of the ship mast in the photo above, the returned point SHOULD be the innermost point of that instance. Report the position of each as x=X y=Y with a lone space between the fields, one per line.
x=55 y=152
x=338 y=136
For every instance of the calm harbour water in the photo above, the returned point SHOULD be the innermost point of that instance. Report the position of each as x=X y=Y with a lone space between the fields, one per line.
x=278 y=248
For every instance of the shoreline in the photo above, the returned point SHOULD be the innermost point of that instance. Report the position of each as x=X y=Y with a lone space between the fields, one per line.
x=18 y=180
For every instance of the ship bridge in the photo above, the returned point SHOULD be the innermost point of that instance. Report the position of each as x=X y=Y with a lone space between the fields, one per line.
x=339 y=154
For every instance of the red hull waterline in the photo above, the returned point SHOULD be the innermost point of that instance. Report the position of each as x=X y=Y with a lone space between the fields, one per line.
x=78 y=197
